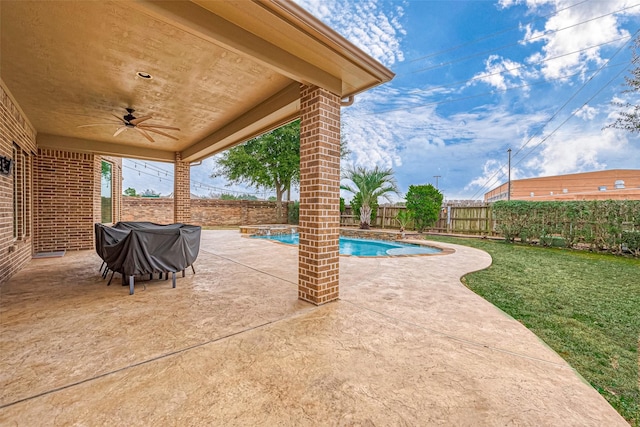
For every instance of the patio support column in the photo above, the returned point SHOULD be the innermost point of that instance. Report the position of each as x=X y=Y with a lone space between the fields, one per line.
x=181 y=191
x=318 y=255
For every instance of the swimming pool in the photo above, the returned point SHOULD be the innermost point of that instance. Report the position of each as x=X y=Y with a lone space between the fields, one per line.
x=364 y=247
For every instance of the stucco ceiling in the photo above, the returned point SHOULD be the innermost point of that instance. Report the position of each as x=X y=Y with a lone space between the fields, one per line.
x=222 y=71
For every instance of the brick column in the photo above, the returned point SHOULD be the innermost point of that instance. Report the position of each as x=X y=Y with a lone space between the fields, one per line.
x=181 y=191
x=318 y=256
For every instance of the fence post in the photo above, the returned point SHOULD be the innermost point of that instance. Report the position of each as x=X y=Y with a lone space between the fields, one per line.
x=384 y=217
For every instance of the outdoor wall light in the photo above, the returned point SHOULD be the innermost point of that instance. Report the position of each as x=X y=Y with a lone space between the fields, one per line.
x=5 y=165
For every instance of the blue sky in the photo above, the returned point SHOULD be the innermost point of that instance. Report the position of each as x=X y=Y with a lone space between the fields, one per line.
x=473 y=79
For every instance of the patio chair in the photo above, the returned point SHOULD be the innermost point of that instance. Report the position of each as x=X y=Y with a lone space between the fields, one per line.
x=104 y=236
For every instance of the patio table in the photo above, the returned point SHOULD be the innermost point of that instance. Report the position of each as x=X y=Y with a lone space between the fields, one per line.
x=137 y=248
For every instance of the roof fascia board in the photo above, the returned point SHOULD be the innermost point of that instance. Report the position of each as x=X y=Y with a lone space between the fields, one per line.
x=78 y=145
x=316 y=29
x=203 y=23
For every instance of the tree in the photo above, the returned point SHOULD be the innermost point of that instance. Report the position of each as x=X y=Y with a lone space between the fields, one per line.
x=424 y=203
x=131 y=192
x=629 y=114
x=225 y=196
x=149 y=193
x=356 y=205
x=370 y=184
x=270 y=161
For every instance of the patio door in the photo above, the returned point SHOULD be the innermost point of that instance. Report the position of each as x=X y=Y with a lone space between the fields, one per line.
x=106 y=193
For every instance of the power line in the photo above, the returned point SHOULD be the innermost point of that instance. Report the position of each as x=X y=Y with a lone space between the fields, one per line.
x=506 y=30
x=492 y=92
x=545 y=34
x=509 y=70
x=557 y=112
x=571 y=116
x=543 y=140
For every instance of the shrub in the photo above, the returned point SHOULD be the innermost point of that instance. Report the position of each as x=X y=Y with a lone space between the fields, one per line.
x=600 y=224
x=424 y=203
x=293 y=213
x=631 y=239
x=403 y=218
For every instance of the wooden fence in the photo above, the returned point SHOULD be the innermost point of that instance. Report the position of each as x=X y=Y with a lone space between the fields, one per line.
x=474 y=220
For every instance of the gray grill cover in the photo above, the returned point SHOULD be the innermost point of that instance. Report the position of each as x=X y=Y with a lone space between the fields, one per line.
x=133 y=248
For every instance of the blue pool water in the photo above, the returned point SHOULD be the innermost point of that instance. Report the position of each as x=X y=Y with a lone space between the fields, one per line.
x=363 y=247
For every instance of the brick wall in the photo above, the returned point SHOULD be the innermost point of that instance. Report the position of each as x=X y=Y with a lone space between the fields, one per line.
x=182 y=191
x=577 y=186
x=234 y=212
x=15 y=132
x=205 y=212
x=68 y=199
x=158 y=210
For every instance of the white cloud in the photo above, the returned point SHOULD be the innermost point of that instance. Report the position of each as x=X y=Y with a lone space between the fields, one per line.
x=494 y=173
x=370 y=25
x=502 y=73
x=420 y=143
x=370 y=137
x=577 y=151
x=586 y=113
x=572 y=37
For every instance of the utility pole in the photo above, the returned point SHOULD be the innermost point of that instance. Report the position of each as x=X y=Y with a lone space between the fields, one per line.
x=509 y=186
x=436 y=177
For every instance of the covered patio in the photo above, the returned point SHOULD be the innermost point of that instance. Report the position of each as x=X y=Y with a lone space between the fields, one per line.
x=406 y=344
x=84 y=84
x=238 y=343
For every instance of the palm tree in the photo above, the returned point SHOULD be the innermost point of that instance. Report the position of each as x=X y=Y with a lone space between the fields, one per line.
x=370 y=184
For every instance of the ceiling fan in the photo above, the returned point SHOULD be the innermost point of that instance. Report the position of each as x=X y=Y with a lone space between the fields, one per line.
x=129 y=121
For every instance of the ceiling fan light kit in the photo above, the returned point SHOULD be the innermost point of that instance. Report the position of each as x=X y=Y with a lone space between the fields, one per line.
x=129 y=121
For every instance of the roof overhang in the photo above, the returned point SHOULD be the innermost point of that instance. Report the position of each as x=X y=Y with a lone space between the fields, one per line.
x=223 y=71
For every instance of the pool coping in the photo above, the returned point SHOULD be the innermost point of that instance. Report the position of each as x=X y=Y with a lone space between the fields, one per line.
x=443 y=249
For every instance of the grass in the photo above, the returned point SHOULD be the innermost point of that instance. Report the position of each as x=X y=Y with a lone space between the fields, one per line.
x=586 y=306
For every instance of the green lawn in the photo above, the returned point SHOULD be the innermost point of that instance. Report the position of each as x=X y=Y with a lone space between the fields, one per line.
x=585 y=306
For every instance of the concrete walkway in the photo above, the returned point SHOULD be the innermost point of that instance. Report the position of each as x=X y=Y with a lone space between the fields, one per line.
x=407 y=344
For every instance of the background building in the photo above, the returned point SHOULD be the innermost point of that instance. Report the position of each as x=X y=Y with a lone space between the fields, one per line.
x=615 y=184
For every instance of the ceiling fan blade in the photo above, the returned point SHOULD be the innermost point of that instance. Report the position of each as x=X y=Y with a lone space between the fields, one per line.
x=145 y=134
x=139 y=120
x=99 y=124
x=120 y=130
x=147 y=126
x=148 y=129
x=120 y=119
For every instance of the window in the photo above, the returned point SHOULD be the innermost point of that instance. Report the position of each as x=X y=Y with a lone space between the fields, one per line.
x=16 y=192
x=106 y=193
x=20 y=193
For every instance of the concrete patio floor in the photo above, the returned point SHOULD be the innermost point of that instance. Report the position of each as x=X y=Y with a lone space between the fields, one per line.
x=406 y=344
